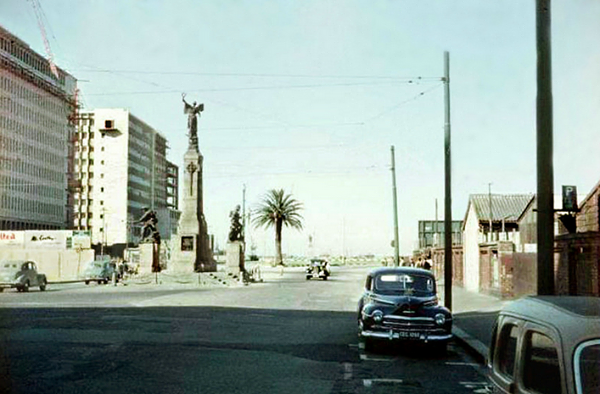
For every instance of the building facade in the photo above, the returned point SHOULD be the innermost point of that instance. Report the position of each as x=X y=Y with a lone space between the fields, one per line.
x=36 y=130
x=121 y=164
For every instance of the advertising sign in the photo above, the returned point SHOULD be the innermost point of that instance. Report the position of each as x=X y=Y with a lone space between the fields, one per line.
x=55 y=239
x=12 y=238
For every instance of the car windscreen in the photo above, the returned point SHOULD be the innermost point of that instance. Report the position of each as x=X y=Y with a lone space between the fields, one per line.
x=588 y=366
x=405 y=284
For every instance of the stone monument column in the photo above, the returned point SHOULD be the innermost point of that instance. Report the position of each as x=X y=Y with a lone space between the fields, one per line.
x=192 y=253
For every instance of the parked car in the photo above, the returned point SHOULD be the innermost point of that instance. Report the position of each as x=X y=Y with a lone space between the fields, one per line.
x=547 y=344
x=21 y=274
x=100 y=271
x=319 y=269
x=401 y=304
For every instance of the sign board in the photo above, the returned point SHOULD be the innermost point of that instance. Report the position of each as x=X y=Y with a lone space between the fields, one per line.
x=569 y=198
x=54 y=239
x=12 y=238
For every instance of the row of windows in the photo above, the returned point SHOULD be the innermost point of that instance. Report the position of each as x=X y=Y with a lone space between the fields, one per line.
x=23 y=225
x=29 y=57
x=22 y=91
x=20 y=206
x=35 y=133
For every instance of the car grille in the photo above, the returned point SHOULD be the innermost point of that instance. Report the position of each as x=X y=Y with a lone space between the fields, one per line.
x=409 y=323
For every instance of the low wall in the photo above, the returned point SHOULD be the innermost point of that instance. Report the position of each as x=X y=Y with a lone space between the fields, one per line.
x=56 y=264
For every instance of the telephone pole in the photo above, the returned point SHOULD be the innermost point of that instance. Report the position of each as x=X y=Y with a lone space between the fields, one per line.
x=244 y=213
x=396 y=241
x=545 y=170
x=448 y=191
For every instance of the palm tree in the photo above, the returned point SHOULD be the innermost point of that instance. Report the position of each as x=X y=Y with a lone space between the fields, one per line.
x=277 y=209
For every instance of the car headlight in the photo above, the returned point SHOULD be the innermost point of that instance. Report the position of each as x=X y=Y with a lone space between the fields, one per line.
x=377 y=316
x=440 y=319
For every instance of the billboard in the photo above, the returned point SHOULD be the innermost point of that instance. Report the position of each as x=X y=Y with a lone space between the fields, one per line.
x=12 y=238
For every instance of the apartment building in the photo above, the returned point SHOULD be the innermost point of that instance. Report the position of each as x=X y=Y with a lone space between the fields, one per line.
x=36 y=129
x=122 y=165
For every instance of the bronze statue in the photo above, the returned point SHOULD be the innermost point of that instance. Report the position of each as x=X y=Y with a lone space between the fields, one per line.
x=192 y=111
x=236 y=231
x=149 y=230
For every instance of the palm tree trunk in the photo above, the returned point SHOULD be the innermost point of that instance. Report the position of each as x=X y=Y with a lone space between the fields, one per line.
x=278 y=255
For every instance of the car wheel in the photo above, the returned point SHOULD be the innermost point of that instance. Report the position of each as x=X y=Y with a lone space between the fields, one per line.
x=105 y=281
x=307 y=277
x=325 y=277
x=25 y=287
x=43 y=285
x=87 y=282
x=369 y=344
x=1 y=289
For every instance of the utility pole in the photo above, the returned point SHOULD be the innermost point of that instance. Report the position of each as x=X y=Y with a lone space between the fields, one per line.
x=491 y=214
x=447 y=188
x=545 y=170
x=396 y=241
x=436 y=237
x=244 y=213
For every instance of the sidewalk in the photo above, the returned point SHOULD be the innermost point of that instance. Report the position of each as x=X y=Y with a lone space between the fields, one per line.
x=474 y=318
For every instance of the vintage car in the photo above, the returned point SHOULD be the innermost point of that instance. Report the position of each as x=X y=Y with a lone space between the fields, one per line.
x=21 y=274
x=547 y=344
x=401 y=304
x=100 y=271
x=319 y=269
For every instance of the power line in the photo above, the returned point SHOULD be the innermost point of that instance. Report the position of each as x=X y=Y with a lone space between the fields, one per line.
x=396 y=106
x=264 y=75
x=275 y=87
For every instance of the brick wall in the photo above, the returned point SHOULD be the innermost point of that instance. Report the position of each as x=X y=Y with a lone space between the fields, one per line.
x=587 y=218
x=524 y=274
x=578 y=264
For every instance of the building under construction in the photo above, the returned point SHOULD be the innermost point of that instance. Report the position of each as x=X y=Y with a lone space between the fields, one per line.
x=38 y=112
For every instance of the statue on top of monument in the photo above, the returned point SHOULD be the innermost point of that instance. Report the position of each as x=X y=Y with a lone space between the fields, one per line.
x=236 y=231
x=192 y=111
x=149 y=231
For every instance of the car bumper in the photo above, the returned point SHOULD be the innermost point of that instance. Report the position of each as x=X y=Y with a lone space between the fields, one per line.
x=402 y=335
x=8 y=285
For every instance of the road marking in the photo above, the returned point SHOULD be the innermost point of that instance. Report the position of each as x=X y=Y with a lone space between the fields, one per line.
x=369 y=358
x=460 y=363
x=347 y=371
x=354 y=345
x=371 y=382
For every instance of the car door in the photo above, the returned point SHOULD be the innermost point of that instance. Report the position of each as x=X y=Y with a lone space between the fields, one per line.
x=32 y=274
x=540 y=365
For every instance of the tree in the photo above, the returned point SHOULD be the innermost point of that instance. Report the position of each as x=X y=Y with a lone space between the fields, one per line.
x=278 y=209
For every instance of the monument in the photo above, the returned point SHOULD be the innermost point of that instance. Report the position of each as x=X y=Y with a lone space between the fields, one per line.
x=192 y=251
x=235 y=245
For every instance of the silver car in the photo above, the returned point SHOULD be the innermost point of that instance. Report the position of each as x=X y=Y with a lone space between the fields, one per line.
x=21 y=274
x=547 y=344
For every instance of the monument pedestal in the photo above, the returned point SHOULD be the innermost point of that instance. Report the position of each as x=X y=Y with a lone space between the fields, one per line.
x=192 y=252
x=235 y=257
x=149 y=257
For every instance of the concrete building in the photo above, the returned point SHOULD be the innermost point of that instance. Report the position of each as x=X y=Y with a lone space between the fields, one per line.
x=489 y=220
x=121 y=163
x=36 y=128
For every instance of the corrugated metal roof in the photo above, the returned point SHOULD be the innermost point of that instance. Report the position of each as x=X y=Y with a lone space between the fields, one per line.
x=504 y=206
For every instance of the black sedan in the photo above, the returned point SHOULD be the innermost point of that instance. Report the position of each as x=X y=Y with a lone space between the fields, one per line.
x=401 y=304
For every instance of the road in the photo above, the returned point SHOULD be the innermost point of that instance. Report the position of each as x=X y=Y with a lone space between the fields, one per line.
x=286 y=335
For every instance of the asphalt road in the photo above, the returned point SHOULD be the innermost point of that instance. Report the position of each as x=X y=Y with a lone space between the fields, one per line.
x=286 y=335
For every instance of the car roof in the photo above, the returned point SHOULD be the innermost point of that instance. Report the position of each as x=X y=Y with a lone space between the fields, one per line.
x=400 y=270
x=576 y=318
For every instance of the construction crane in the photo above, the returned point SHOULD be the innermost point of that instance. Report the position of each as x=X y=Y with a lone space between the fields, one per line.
x=37 y=10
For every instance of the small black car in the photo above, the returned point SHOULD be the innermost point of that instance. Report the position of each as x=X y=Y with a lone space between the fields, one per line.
x=318 y=268
x=401 y=304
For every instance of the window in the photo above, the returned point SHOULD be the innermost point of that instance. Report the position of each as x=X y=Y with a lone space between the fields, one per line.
x=108 y=124
x=507 y=349
x=587 y=373
x=541 y=372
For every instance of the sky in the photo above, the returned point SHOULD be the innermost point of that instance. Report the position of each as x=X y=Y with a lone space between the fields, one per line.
x=308 y=96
